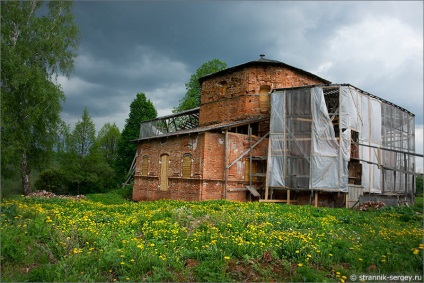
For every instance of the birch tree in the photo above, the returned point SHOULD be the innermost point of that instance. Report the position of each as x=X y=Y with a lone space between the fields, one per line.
x=37 y=45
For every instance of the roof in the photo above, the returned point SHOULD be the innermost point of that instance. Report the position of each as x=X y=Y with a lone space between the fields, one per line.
x=262 y=61
x=202 y=129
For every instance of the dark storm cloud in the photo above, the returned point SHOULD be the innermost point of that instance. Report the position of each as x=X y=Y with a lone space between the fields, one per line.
x=154 y=47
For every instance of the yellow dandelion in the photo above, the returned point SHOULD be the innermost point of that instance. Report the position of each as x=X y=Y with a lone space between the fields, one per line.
x=226 y=257
x=122 y=263
x=300 y=264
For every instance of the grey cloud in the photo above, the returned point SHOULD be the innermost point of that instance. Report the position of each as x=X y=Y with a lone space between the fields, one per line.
x=153 y=47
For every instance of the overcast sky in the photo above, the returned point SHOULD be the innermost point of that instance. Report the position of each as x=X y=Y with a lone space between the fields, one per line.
x=154 y=47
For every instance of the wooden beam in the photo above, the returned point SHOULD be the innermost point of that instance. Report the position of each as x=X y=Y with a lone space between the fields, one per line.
x=247 y=151
x=276 y=200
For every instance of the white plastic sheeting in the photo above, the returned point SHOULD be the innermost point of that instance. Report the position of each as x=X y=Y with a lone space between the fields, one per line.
x=311 y=150
x=325 y=159
x=276 y=137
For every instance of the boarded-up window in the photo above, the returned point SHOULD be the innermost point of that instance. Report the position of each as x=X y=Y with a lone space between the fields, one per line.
x=247 y=170
x=223 y=88
x=264 y=98
x=145 y=166
x=186 y=167
x=164 y=160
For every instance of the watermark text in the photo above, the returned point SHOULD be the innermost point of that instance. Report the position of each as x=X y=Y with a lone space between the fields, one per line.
x=385 y=277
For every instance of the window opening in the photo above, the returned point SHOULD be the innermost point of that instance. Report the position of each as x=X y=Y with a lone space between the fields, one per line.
x=187 y=165
x=264 y=98
x=145 y=166
x=164 y=172
x=223 y=88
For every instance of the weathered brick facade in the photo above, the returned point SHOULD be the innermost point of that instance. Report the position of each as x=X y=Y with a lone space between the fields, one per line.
x=235 y=94
x=208 y=168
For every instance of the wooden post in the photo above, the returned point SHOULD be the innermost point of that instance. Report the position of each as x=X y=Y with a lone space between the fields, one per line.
x=406 y=175
x=383 y=173
x=347 y=200
x=226 y=162
x=250 y=160
x=288 y=196
x=316 y=199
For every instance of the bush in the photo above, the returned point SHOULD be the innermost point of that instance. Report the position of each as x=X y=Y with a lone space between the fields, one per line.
x=52 y=180
x=419 y=181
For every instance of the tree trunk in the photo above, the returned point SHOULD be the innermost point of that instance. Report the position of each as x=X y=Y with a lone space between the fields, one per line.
x=25 y=175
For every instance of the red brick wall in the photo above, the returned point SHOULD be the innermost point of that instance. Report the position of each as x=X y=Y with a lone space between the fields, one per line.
x=241 y=99
x=214 y=165
x=207 y=182
x=147 y=188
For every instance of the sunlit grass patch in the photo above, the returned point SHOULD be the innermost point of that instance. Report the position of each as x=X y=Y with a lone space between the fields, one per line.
x=106 y=238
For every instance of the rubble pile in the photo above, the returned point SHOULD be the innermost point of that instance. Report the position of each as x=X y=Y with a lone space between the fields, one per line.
x=45 y=194
x=370 y=204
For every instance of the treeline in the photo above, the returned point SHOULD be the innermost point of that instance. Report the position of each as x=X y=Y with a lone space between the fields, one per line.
x=89 y=162
x=39 y=42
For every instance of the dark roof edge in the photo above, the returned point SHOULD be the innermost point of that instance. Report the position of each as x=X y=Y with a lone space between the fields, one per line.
x=358 y=89
x=262 y=62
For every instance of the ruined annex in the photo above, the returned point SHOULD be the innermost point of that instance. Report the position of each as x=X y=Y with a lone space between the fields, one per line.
x=267 y=131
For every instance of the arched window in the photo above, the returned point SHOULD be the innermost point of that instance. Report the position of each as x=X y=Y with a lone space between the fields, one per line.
x=164 y=160
x=145 y=166
x=223 y=88
x=187 y=165
x=264 y=98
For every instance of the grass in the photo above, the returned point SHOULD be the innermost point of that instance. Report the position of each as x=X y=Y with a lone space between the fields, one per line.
x=106 y=238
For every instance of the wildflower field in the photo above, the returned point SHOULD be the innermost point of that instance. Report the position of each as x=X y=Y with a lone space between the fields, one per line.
x=109 y=239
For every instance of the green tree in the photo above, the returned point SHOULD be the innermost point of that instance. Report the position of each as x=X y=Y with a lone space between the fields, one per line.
x=36 y=46
x=83 y=136
x=141 y=109
x=107 y=140
x=192 y=97
x=83 y=164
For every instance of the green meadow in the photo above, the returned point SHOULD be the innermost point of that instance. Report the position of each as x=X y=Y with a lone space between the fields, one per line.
x=105 y=238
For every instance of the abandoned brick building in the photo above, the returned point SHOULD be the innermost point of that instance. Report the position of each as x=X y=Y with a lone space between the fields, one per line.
x=271 y=132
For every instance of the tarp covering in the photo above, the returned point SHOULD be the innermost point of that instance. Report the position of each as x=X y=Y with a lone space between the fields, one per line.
x=311 y=148
x=325 y=159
